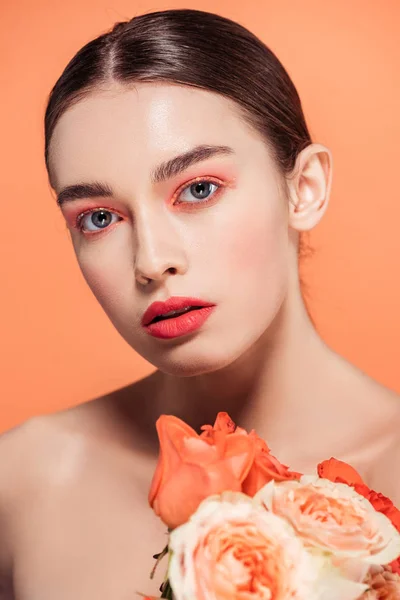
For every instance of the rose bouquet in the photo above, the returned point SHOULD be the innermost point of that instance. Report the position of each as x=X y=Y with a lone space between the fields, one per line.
x=242 y=525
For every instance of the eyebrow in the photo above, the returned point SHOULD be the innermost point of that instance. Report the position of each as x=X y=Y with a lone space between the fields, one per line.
x=164 y=171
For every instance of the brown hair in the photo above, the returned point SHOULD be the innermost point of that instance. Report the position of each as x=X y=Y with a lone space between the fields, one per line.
x=193 y=48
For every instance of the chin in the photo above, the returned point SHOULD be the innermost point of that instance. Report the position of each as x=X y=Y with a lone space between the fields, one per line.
x=182 y=363
x=192 y=357
x=189 y=368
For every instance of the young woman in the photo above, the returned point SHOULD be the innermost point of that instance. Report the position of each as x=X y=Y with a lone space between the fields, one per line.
x=184 y=169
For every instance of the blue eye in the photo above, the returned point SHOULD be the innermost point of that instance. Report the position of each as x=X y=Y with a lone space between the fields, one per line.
x=98 y=218
x=200 y=190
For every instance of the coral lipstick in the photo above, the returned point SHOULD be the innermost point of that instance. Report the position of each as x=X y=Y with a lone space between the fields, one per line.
x=176 y=317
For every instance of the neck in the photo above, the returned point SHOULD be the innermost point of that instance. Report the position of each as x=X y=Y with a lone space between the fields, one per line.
x=300 y=396
x=262 y=388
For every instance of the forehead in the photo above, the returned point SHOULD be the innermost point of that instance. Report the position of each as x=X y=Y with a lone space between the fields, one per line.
x=132 y=128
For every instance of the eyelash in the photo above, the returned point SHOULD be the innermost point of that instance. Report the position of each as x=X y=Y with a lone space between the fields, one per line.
x=80 y=217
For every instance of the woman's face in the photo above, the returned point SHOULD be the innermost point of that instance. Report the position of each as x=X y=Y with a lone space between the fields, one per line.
x=225 y=241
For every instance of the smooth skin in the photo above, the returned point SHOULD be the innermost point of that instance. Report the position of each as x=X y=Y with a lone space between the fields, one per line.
x=75 y=522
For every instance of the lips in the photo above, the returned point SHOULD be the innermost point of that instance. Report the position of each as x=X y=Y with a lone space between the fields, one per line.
x=177 y=303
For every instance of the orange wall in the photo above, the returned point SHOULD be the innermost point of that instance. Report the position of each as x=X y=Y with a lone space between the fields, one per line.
x=57 y=347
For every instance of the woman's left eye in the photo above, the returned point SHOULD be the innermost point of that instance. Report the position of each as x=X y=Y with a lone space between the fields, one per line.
x=200 y=189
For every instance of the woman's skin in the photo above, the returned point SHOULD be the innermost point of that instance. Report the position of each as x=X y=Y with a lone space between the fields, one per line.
x=74 y=513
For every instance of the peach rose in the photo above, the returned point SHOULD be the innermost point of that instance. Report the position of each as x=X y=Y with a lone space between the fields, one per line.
x=265 y=468
x=340 y=472
x=232 y=548
x=382 y=504
x=191 y=467
x=334 y=518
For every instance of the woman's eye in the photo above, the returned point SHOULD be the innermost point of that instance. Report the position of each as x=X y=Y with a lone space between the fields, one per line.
x=98 y=219
x=199 y=190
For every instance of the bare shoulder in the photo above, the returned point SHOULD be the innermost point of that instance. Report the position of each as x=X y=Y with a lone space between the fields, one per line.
x=43 y=453
x=63 y=444
x=33 y=451
x=385 y=476
x=374 y=411
x=29 y=453
x=31 y=448
x=69 y=487
x=17 y=448
x=48 y=445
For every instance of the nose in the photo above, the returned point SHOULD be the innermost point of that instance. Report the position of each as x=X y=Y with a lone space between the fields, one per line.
x=159 y=250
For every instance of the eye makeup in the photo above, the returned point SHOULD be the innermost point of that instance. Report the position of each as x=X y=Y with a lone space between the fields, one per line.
x=76 y=217
x=184 y=205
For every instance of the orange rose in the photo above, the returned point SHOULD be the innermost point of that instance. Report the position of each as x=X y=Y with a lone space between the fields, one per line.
x=223 y=425
x=265 y=468
x=334 y=470
x=192 y=467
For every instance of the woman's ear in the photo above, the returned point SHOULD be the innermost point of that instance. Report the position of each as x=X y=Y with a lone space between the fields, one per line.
x=310 y=187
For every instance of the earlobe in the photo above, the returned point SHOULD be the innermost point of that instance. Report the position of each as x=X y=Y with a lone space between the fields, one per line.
x=310 y=188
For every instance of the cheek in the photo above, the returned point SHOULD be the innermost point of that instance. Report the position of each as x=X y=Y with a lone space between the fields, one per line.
x=256 y=246
x=255 y=265
x=110 y=285
x=100 y=282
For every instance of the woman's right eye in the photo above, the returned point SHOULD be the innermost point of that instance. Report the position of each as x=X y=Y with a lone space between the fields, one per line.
x=99 y=219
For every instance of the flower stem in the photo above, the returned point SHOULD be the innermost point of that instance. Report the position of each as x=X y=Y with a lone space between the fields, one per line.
x=158 y=558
